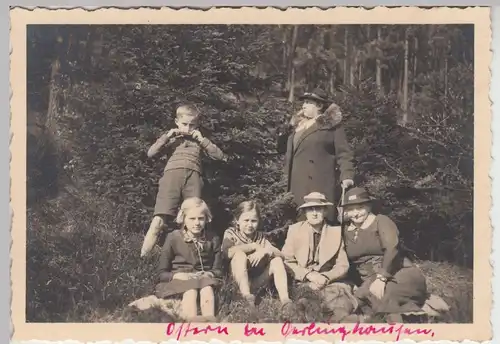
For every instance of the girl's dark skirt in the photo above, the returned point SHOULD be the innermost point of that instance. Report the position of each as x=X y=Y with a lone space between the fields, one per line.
x=178 y=287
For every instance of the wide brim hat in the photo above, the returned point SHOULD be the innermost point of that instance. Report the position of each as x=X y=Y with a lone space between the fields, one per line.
x=356 y=196
x=317 y=95
x=315 y=199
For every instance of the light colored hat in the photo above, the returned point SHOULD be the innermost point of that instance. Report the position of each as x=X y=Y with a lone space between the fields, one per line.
x=315 y=199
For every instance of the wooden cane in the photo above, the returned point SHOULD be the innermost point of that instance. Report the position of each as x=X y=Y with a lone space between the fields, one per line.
x=340 y=208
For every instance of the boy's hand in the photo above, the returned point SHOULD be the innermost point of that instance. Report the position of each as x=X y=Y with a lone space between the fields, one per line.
x=197 y=135
x=173 y=132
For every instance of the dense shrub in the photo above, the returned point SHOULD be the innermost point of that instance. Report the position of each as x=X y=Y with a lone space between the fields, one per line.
x=114 y=89
x=115 y=100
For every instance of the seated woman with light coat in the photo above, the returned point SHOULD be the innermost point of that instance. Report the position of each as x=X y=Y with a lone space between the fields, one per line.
x=315 y=257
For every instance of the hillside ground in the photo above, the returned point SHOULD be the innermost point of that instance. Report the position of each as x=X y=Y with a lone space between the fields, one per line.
x=84 y=266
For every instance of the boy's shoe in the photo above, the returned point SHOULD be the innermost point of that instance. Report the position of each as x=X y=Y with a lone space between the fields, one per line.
x=152 y=235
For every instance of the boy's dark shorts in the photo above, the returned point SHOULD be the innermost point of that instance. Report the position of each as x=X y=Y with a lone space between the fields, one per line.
x=174 y=187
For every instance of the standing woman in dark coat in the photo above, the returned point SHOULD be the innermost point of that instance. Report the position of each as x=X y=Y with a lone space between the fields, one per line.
x=315 y=145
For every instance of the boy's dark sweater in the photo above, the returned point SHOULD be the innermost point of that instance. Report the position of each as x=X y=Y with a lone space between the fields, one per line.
x=187 y=153
x=180 y=256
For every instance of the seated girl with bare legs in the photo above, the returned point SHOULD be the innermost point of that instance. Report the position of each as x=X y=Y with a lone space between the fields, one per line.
x=253 y=259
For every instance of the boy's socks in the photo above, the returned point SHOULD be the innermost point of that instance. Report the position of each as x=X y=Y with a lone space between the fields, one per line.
x=154 y=230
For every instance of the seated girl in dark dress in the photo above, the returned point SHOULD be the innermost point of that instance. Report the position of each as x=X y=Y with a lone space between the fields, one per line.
x=191 y=262
x=388 y=282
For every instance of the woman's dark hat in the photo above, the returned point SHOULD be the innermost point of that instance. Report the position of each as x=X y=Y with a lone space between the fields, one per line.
x=356 y=196
x=317 y=94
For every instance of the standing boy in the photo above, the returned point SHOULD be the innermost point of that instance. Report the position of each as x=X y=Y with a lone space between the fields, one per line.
x=182 y=176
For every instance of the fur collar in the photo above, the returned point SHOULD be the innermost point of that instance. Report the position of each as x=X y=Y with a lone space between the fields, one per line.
x=329 y=119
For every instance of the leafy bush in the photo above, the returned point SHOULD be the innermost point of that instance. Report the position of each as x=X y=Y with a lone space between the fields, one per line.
x=114 y=103
x=91 y=187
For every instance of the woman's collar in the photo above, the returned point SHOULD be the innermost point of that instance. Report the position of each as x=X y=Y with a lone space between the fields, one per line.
x=306 y=124
x=352 y=227
x=314 y=229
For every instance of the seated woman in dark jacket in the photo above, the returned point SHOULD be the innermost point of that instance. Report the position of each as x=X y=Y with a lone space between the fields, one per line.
x=191 y=262
x=389 y=283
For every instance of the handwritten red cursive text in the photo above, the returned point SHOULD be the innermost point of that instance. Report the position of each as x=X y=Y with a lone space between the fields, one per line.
x=251 y=330
x=361 y=330
x=185 y=329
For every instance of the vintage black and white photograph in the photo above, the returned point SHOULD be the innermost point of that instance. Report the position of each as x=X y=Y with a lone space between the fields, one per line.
x=250 y=173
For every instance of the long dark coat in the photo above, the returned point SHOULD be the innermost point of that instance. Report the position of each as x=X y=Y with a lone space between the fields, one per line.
x=310 y=164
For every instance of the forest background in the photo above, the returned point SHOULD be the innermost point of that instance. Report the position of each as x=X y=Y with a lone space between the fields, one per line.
x=99 y=96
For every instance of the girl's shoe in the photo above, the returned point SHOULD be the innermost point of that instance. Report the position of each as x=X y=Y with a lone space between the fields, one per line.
x=287 y=309
x=152 y=235
x=250 y=299
x=286 y=304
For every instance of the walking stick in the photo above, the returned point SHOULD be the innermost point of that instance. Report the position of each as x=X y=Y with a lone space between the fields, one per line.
x=340 y=208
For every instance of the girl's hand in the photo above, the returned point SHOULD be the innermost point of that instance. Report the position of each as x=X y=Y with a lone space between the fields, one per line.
x=183 y=276
x=377 y=288
x=207 y=274
x=256 y=247
x=317 y=279
x=269 y=252
x=256 y=257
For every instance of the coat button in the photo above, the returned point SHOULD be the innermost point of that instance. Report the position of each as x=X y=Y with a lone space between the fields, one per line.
x=310 y=177
x=311 y=161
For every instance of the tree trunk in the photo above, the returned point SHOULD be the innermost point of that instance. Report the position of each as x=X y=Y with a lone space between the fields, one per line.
x=291 y=67
x=284 y=52
x=393 y=83
x=446 y=83
x=332 y=80
x=379 y=64
x=405 y=82
x=292 y=88
x=346 y=52
x=352 y=65
x=284 y=57
x=53 y=103
x=414 y=77
x=360 y=72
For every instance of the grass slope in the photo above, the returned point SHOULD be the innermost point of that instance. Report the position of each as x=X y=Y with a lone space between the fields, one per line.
x=83 y=265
